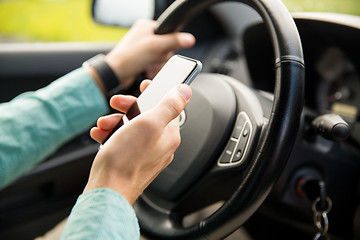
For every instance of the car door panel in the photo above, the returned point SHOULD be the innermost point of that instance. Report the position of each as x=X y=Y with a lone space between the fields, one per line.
x=45 y=195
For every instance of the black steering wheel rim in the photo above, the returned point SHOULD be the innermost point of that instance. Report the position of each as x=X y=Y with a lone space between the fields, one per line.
x=272 y=153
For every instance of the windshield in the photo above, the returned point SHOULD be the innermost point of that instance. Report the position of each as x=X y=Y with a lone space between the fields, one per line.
x=70 y=20
x=335 y=6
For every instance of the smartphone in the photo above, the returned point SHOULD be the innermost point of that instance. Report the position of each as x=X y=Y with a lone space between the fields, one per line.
x=177 y=70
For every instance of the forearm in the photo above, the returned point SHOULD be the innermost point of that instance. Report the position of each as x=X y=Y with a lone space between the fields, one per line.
x=35 y=124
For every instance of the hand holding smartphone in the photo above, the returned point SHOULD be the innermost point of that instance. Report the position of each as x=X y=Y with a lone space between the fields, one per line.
x=177 y=70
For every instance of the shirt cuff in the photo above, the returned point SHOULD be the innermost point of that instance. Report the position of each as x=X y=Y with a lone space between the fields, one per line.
x=102 y=214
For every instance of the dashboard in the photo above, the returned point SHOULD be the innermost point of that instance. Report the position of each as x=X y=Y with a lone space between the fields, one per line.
x=332 y=85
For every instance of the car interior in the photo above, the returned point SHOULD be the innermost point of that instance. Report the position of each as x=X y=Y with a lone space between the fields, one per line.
x=271 y=141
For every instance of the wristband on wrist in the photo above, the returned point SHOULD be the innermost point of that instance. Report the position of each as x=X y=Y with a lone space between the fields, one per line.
x=105 y=73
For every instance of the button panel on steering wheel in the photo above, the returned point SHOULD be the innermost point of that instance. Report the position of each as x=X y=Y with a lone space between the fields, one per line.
x=236 y=147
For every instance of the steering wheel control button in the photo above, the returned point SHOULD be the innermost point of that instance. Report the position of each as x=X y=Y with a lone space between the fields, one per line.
x=228 y=152
x=235 y=150
x=238 y=155
x=237 y=131
x=245 y=132
x=240 y=149
x=239 y=125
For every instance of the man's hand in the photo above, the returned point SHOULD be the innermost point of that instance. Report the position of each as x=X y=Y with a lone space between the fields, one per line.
x=138 y=151
x=140 y=50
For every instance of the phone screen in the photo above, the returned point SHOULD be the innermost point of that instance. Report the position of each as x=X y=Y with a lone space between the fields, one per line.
x=177 y=70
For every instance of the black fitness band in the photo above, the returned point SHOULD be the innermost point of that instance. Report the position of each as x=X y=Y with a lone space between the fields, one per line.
x=106 y=74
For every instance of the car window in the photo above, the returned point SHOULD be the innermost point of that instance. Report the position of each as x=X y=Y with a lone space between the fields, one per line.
x=52 y=21
x=70 y=20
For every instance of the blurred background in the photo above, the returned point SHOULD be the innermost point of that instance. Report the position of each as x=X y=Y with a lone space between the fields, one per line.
x=70 y=20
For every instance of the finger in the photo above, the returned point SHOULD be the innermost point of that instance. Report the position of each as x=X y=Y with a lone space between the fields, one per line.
x=98 y=134
x=171 y=105
x=122 y=103
x=175 y=41
x=144 y=84
x=108 y=123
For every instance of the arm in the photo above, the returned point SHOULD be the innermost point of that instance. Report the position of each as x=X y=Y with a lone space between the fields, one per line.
x=34 y=125
x=125 y=165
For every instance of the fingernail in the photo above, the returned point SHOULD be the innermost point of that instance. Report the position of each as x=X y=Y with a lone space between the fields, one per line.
x=185 y=91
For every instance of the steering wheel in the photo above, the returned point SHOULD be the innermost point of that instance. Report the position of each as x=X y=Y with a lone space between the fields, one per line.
x=235 y=142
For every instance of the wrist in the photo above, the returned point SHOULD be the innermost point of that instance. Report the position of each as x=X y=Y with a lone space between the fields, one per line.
x=97 y=80
x=103 y=75
x=122 y=186
x=121 y=70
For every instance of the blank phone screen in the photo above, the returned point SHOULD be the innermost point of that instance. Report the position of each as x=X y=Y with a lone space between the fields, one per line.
x=177 y=70
x=174 y=72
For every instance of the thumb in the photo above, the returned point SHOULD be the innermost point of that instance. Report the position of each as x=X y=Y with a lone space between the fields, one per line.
x=172 y=104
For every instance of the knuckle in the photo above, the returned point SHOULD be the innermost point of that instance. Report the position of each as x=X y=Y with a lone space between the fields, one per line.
x=100 y=121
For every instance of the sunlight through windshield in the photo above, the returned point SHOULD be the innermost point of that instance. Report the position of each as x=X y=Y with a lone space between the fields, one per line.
x=70 y=20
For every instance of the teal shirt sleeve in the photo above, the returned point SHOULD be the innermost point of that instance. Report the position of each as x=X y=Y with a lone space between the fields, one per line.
x=35 y=124
x=102 y=214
